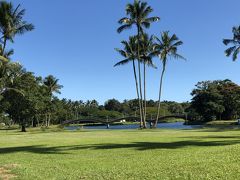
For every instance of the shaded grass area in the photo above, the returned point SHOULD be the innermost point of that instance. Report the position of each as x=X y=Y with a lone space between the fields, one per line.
x=124 y=154
x=215 y=123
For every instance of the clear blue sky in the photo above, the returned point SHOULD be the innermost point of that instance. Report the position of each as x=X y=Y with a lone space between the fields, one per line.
x=75 y=39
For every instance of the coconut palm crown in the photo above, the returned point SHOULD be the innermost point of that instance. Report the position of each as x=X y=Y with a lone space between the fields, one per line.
x=138 y=13
x=129 y=51
x=12 y=23
x=51 y=83
x=235 y=44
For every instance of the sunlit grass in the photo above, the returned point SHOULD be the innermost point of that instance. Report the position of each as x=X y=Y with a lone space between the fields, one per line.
x=121 y=154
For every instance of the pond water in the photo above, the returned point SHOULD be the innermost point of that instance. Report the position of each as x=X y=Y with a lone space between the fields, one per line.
x=176 y=125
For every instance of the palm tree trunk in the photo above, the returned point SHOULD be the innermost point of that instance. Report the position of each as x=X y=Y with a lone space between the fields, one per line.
x=139 y=102
x=140 y=80
x=145 y=103
x=160 y=94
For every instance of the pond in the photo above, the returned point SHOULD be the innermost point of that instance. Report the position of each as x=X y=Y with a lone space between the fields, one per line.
x=176 y=125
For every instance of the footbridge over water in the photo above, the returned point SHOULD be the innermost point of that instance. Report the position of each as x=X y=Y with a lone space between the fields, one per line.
x=125 y=119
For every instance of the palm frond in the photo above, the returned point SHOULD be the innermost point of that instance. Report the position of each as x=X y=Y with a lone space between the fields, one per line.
x=24 y=28
x=146 y=10
x=20 y=15
x=3 y=59
x=235 y=54
x=178 y=56
x=124 y=20
x=230 y=50
x=230 y=41
x=16 y=9
x=123 y=62
x=121 y=52
x=146 y=24
x=129 y=8
x=178 y=43
x=124 y=27
x=152 y=19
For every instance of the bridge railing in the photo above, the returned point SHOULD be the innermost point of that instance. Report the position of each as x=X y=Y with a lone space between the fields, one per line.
x=107 y=120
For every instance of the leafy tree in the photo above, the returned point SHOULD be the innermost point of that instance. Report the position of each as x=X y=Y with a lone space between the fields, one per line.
x=234 y=42
x=216 y=99
x=165 y=48
x=176 y=108
x=231 y=99
x=113 y=105
x=23 y=107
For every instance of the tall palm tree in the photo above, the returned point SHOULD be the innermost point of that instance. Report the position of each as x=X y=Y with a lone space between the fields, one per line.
x=147 y=52
x=12 y=23
x=235 y=42
x=129 y=52
x=51 y=84
x=165 y=48
x=138 y=15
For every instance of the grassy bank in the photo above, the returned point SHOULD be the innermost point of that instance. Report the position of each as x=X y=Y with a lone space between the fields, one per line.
x=215 y=123
x=123 y=154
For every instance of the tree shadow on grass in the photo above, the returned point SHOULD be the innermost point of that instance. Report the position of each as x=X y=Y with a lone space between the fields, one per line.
x=38 y=149
x=140 y=146
x=216 y=128
x=212 y=137
x=8 y=129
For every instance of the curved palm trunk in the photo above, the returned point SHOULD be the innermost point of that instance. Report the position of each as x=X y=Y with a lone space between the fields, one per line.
x=145 y=102
x=139 y=102
x=160 y=94
x=140 y=80
x=140 y=90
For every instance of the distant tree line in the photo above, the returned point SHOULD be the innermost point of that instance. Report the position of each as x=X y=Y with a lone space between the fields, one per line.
x=38 y=110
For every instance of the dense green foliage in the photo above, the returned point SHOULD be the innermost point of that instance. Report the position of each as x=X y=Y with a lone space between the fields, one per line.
x=216 y=100
x=166 y=154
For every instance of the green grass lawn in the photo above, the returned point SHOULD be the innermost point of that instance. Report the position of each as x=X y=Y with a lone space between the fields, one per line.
x=121 y=154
